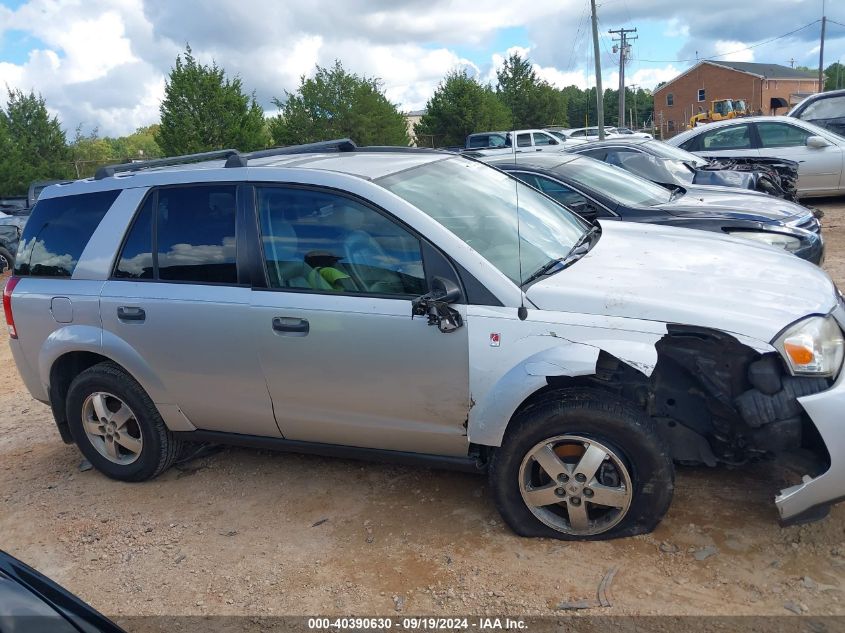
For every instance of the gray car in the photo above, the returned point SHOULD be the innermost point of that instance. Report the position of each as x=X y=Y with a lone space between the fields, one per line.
x=421 y=306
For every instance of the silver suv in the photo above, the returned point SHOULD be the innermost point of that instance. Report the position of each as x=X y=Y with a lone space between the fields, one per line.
x=422 y=306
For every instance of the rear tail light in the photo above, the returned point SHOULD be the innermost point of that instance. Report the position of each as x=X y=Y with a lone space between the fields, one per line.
x=7 y=305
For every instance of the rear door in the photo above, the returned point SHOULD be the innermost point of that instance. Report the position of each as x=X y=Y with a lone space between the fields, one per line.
x=344 y=361
x=729 y=140
x=178 y=297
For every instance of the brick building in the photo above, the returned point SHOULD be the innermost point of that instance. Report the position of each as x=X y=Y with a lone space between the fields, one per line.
x=766 y=88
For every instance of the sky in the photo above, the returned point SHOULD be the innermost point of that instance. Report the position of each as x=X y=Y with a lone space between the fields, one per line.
x=102 y=64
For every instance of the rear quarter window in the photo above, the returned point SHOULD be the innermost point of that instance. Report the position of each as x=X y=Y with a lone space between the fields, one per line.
x=58 y=231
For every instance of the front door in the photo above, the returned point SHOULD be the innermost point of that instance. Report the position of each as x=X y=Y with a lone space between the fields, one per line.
x=344 y=361
x=819 y=168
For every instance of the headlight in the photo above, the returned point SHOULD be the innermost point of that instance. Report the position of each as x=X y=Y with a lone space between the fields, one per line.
x=813 y=347
x=779 y=240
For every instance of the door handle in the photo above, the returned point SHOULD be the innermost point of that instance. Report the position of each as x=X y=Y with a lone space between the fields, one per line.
x=131 y=313
x=291 y=325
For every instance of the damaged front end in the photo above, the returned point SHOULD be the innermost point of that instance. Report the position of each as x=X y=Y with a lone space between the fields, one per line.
x=775 y=176
x=717 y=400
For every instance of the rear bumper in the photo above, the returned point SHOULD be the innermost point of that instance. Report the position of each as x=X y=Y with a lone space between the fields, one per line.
x=810 y=499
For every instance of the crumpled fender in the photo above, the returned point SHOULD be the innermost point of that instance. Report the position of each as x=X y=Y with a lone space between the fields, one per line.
x=546 y=352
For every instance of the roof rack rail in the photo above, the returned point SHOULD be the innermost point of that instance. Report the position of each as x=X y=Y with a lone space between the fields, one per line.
x=111 y=170
x=336 y=145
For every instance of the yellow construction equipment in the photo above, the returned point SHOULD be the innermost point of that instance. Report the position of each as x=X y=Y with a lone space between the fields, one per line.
x=720 y=109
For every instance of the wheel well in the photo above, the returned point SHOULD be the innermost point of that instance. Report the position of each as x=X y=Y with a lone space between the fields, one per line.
x=64 y=370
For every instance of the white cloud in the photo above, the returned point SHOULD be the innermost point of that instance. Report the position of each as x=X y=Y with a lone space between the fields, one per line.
x=103 y=62
x=733 y=51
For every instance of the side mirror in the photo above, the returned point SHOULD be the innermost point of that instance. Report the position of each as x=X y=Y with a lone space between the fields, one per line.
x=435 y=305
x=816 y=142
x=445 y=290
x=553 y=142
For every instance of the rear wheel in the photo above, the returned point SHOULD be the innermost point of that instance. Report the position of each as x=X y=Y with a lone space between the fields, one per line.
x=116 y=425
x=581 y=465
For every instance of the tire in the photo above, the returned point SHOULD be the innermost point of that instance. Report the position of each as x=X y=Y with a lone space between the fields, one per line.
x=141 y=448
x=634 y=472
x=6 y=260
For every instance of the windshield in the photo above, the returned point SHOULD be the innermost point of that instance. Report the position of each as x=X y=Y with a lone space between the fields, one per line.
x=559 y=135
x=615 y=182
x=664 y=150
x=479 y=204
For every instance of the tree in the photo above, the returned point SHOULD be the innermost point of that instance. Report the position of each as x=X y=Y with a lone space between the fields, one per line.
x=204 y=110
x=834 y=76
x=141 y=144
x=338 y=104
x=32 y=144
x=532 y=102
x=89 y=153
x=460 y=106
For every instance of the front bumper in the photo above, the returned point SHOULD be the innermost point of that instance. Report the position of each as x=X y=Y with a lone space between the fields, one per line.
x=810 y=499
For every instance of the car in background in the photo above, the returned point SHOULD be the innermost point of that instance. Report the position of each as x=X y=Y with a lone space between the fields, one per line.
x=825 y=109
x=32 y=603
x=491 y=143
x=589 y=133
x=14 y=212
x=625 y=131
x=596 y=190
x=818 y=152
x=675 y=167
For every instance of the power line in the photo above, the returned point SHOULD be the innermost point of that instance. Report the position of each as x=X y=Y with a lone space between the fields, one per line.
x=576 y=40
x=747 y=48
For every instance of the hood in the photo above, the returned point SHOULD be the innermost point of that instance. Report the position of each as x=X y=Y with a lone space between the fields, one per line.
x=690 y=277
x=721 y=202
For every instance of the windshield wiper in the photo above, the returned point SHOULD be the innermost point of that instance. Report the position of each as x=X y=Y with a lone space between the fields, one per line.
x=581 y=247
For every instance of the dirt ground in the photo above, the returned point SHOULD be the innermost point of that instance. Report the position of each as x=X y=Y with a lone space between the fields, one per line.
x=250 y=532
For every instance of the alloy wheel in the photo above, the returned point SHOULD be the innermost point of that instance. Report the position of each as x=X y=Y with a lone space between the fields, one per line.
x=112 y=428
x=575 y=485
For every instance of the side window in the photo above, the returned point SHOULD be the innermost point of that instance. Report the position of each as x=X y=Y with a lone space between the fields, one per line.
x=322 y=241
x=734 y=137
x=701 y=94
x=579 y=133
x=136 y=259
x=617 y=156
x=670 y=99
x=523 y=140
x=828 y=108
x=195 y=227
x=58 y=231
x=598 y=154
x=559 y=191
x=781 y=135
x=542 y=139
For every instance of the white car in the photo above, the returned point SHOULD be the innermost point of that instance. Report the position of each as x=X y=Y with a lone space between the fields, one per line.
x=626 y=131
x=589 y=133
x=493 y=143
x=818 y=152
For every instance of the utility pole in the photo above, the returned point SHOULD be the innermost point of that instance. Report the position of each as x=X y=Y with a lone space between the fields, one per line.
x=597 y=55
x=634 y=88
x=623 y=53
x=821 y=52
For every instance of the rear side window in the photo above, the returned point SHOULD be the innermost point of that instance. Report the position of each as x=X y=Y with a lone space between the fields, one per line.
x=58 y=231
x=194 y=232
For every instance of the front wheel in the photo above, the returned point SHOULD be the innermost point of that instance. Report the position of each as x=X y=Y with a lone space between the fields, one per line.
x=6 y=260
x=581 y=465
